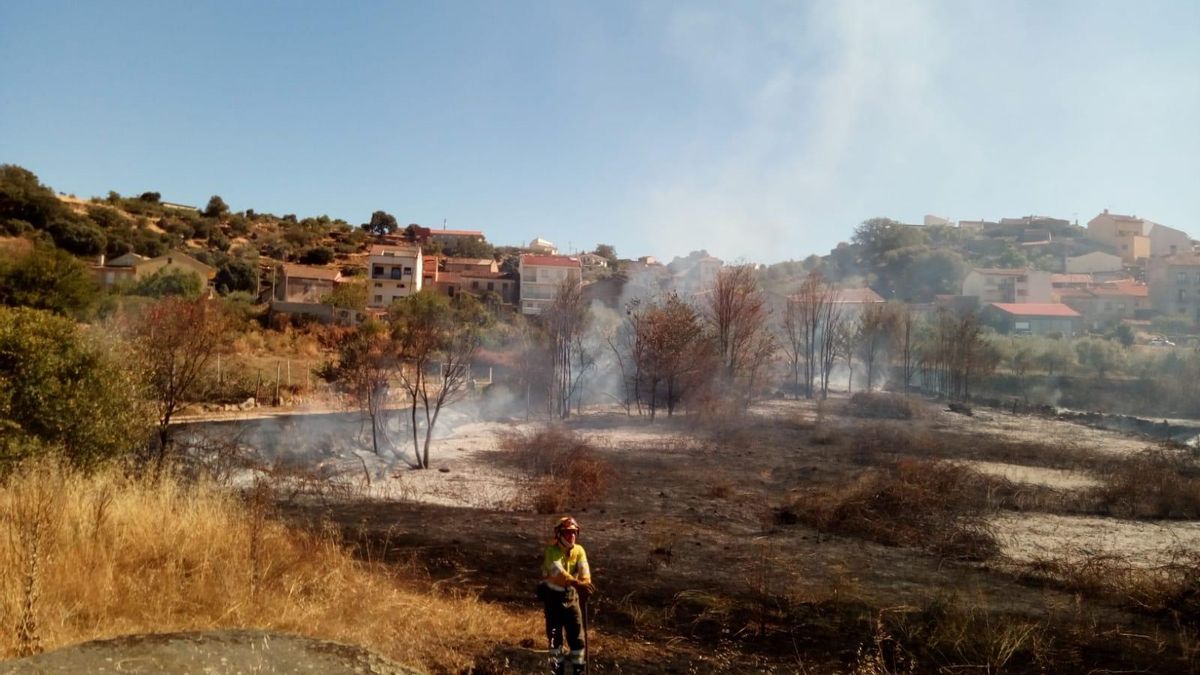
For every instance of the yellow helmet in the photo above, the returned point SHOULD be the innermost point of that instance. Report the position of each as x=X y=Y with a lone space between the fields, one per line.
x=566 y=524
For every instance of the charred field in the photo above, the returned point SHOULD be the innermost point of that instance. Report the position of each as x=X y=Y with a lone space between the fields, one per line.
x=838 y=536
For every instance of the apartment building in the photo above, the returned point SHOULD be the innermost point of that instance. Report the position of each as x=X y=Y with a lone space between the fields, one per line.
x=396 y=271
x=1009 y=285
x=1174 y=283
x=541 y=277
x=1137 y=238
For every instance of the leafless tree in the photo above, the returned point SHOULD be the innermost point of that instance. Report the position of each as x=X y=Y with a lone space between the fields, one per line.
x=565 y=322
x=365 y=367
x=737 y=313
x=176 y=339
x=904 y=336
x=805 y=319
x=956 y=353
x=829 y=340
x=876 y=324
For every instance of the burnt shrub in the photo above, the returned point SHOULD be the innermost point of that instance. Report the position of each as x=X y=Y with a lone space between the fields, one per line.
x=1162 y=482
x=567 y=471
x=933 y=505
x=880 y=405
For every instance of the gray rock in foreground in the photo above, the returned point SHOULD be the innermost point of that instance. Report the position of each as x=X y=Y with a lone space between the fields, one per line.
x=216 y=652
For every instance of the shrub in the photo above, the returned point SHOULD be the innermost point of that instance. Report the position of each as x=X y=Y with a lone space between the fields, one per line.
x=567 y=470
x=1161 y=482
x=881 y=405
x=934 y=505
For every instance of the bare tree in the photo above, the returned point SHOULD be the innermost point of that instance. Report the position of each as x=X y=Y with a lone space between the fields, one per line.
x=876 y=324
x=365 y=367
x=805 y=320
x=565 y=322
x=829 y=340
x=176 y=339
x=904 y=335
x=430 y=331
x=738 y=316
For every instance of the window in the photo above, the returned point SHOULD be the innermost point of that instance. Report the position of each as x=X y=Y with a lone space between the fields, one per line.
x=1182 y=293
x=378 y=271
x=1120 y=307
x=450 y=291
x=1181 y=277
x=408 y=271
x=475 y=285
x=379 y=298
x=395 y=272
x=491 y=286
x=378 y=285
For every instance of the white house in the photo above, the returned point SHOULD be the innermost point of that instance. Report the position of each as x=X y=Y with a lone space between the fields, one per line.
x=541 y=277
x=1009 y=285
x=1091 y=263
x=395 y=272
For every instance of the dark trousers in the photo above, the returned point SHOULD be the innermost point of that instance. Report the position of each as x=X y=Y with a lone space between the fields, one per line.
x=563 y=614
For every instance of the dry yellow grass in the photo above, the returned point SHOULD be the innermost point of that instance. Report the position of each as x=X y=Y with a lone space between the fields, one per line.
x=101 y=555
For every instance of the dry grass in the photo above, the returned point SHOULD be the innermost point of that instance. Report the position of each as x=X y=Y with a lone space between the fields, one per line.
x=880 y=405
x=914 y=503
x=1170 y=587
x=1162 y=482
x=567 y=471
x=96 y=556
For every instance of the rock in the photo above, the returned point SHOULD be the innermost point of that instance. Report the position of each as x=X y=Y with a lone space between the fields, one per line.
x=248 y=404
x=230 y=651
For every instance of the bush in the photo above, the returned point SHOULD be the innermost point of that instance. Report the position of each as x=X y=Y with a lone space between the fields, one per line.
x=320 y=255
x=1160 y=483
x=567 y=470
x=880 y=405
x=169 y=281
x=933 y=505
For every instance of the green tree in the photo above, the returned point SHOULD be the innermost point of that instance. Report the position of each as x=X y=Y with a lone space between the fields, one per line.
x=77 y=235
x=381 y=223
x=319 y=255
x=1100 y=356
x=436 y=340
x=168 y=281
x=237 y=274
x=62 y=391
x=348 y=295
x=48 y=278
x=216 y=207
x=23 y=197
x=608 y=252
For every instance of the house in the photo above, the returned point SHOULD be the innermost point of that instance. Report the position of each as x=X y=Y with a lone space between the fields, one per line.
x=481 y=283
x=539 y=245
x=396 y=271
x=1033 y=318
x=133 y=267
x=977 y=226
x=450 y=237
x=851 y=301
x=1061 y=281
x=1137 y=238
x=1009 y=285
x=469 y=265
x=305 y=283
x=1090 y=263
x=593 y=261
x=542 y=275
x=1174 y=283
x=1106 y=305
x=931 y=219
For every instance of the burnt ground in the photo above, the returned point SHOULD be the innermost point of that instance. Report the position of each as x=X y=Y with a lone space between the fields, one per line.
x=699 y=570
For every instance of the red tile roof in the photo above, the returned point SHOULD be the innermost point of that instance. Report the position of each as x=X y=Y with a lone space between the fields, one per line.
x=1125 y=287
x=1036 y=309
x=1070 y=278
x=551 y=260
x=1000 y=271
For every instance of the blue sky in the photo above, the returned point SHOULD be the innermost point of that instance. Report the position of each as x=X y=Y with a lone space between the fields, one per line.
x=762 y=131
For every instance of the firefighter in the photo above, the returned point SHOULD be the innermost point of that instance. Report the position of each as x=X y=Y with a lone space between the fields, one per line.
x=565 y=577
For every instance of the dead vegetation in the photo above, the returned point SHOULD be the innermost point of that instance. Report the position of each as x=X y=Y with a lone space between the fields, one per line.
x=936 y=506
x=882 y=405
x=567 y=471
x=102 y=555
